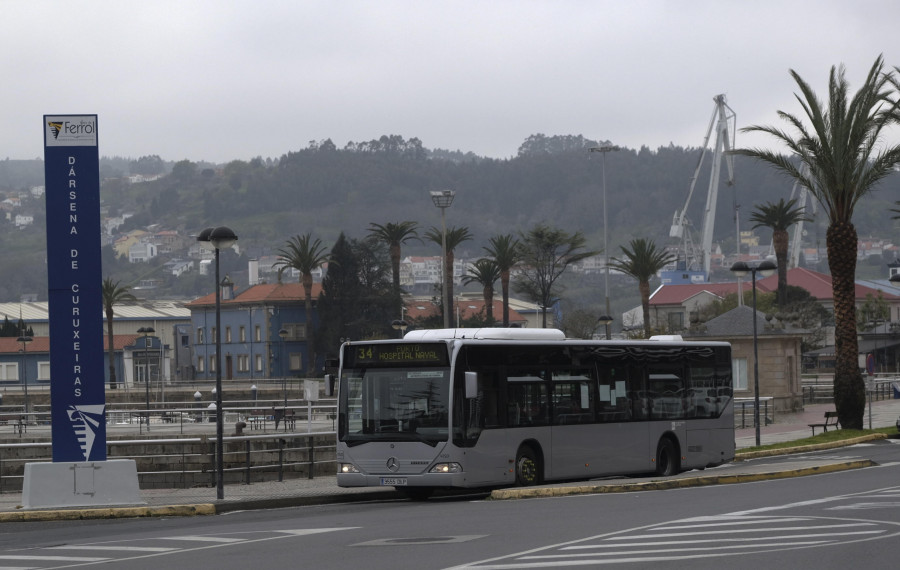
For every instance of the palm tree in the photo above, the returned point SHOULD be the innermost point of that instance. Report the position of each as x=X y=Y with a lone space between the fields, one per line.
x=455 y=236
x=779 y=216
x=846 y=156
x=305 y=255
x=112 y=294
x=485 y=272
x=642 y=262
x=394 y=235
x=506 y=253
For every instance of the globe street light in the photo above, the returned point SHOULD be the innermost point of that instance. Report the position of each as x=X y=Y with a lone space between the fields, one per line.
x=219 y=238
x=766 y=269
x=146 y=331
x=605 y=321
x=25 y=339
x=400 y=326
x=442 y=199
x=604 y=150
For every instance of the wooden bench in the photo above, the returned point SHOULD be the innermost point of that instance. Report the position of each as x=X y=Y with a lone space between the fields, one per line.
x=831 y=420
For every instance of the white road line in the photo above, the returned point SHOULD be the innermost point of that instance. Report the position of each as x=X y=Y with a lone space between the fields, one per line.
x=744 y=530
x=219 y=539
x=699 y=548
x=114 y=548
x=37 y=558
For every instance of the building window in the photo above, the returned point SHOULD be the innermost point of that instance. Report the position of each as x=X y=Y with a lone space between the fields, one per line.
x=213 y=337
x=9 y=371
x=212 y=363
x=739 y=368
x=243 y=334
x=44 y=371
x=257 y=334
x=201 y=364
x=243 y=363
x=296 y=331
x=676 y=321
x=227 y=334
x=185 y=341
x=200 y=336
x=259 y=363
x=296 y=361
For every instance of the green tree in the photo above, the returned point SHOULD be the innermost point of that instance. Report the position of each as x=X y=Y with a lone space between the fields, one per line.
x=113 y=293
x=844 y=151
x=504 y=249
x=485 y=272
x=642 y=261
x=305 y=254
x=546 y=253
x=779 y=216
x=455 y=236
x=394 y=235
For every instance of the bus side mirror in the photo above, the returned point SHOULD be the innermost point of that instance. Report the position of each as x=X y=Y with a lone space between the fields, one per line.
x=329 y=385
x=471 y=385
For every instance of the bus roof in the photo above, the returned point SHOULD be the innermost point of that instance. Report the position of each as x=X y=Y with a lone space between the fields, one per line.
x=486 y=334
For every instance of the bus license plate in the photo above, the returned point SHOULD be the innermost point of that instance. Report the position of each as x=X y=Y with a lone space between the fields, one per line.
x=393 y=481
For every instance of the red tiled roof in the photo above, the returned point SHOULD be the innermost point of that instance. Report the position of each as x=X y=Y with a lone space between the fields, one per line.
x=818 y=285
x=677 y=294
x=265 y=292
x=468 y=308
x=8 y=345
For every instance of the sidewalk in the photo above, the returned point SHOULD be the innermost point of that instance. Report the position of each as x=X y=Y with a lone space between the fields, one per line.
x=322 y=490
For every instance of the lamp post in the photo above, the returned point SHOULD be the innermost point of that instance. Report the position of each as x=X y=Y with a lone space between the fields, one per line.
x=605 y=321
x=25 y=339
x=146 y=331
x=282 y=334
x=442 y=199
x=604 y=150
x=219 y=238
x=400 y=326
x=741 y=269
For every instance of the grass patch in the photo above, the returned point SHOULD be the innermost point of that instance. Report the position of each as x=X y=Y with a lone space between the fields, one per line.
x=827 y=437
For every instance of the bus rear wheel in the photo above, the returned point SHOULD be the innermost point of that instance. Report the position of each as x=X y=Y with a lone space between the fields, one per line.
x=528 y=467
x=667 y=461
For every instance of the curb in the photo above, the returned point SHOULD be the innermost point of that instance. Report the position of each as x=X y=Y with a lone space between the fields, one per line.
x=701 y=481
x=110 y=513
x=742 y=455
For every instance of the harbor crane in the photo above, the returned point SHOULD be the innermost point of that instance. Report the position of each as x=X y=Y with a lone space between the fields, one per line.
x=697 y=258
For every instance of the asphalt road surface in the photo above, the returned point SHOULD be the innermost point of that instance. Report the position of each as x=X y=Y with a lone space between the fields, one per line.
x=840 y=520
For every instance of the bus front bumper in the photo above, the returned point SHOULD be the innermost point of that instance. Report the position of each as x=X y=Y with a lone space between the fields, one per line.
x=392 y=480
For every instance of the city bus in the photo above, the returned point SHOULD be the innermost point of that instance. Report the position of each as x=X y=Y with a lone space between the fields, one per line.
x=496 y=407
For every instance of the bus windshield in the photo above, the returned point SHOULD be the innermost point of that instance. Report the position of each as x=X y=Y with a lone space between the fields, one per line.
x=389 y=404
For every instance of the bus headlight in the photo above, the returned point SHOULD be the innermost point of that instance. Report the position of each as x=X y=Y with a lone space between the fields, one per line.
x=446 y=468
x=347 y=468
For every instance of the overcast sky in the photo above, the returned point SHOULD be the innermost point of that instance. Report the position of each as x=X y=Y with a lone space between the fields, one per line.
x=223 y=80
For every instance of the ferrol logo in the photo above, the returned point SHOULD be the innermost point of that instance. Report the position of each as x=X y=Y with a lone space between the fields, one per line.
x=71 y=131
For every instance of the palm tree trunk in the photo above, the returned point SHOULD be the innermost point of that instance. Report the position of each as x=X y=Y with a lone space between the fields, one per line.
x=306 y=280
x=849 y=388
x=111 y=350
x=780 y=244
x=644 y=288
x=504 y=288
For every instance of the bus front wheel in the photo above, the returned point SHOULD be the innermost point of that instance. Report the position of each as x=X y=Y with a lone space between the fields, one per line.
x=667 y=462
x=528 y=467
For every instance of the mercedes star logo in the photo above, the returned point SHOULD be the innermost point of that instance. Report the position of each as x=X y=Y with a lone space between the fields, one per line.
x=392 y=464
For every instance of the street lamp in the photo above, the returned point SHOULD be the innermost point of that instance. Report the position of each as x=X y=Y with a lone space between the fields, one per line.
x=442 y=199
x=146 y=331
x=25 y=339
x=605 y=149
x=400 y=325
x=219 y=238
x=766 y=269
x=605 y=321
x=282 y=334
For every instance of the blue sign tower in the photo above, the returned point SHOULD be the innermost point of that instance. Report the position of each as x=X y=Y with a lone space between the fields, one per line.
x=77 y=395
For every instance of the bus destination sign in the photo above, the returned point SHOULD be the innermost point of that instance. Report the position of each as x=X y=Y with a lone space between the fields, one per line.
x=397 y=354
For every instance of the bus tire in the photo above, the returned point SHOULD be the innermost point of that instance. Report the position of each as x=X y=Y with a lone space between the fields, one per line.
x=528 y=467
x=415 y=493
x=667 y=460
